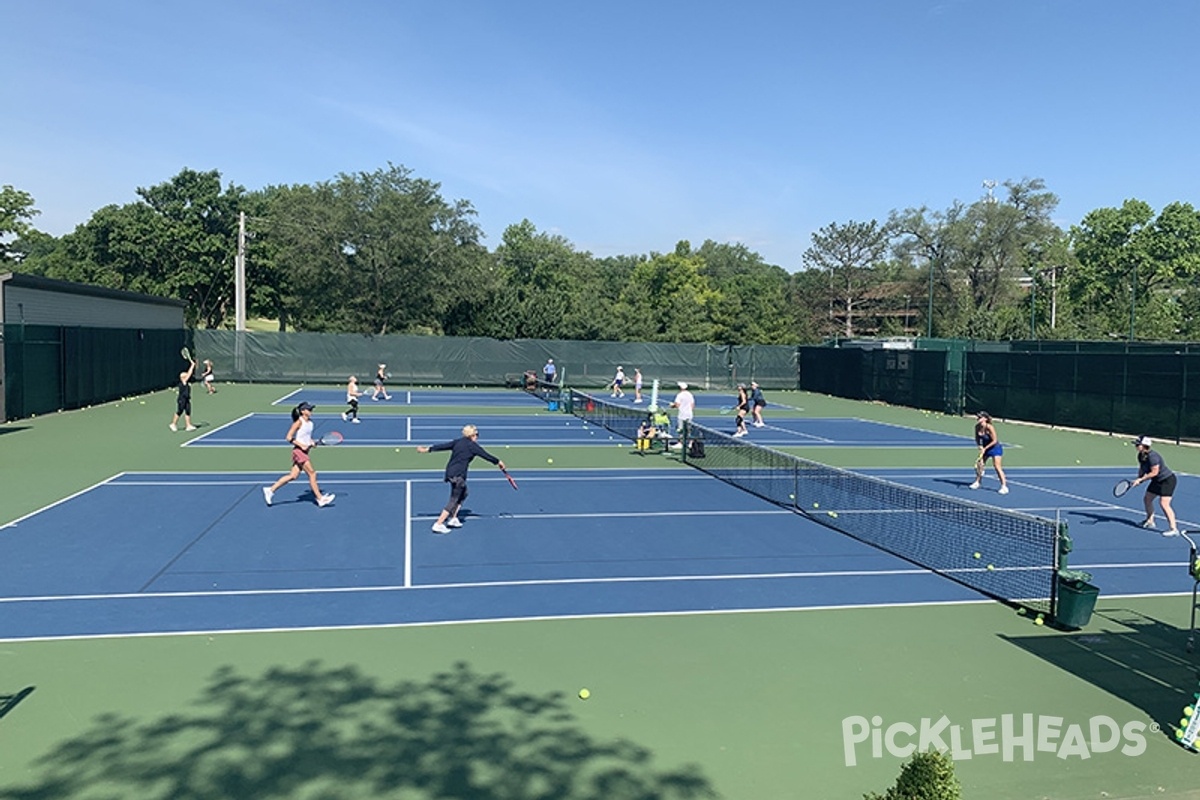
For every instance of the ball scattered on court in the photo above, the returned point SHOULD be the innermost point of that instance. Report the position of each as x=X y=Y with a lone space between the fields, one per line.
x=990 y=567
x=832 y=514
x=397 y=449
x=1077 y=461
x=143 y=402
x=584 y=694
x=1179 y=733
x=1187 y=712
x=791 y=497
x=816 y=505
x=1039 y=621
x=549 y=460
x=975 y=555
x=1183 y=723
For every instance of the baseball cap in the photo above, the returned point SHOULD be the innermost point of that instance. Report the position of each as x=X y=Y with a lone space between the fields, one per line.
x=683 y=384
x=1143 y=441
x=305 y=406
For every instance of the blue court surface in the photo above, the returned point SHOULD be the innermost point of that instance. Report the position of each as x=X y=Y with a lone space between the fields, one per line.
x=335 y=397
x=151 y=553
x=549 y=429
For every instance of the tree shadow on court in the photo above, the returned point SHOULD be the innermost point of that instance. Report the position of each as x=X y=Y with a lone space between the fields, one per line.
x=1140 y=659
x=12 y=429
x=323 y=732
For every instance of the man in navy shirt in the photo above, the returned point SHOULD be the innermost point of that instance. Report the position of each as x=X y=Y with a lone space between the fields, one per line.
x=462 y=451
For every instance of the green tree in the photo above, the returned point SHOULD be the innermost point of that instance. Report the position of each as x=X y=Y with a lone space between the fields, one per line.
x=668 y=299
x=16 y=209
x=371 y=252
x=545 y=285
x=849 y=256
x=752 y=304
x=926 y=776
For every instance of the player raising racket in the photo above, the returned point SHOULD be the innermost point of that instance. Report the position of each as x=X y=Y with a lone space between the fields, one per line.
x=989 y=447
x=183 y=400
x=300 y=437
x=1160 y=482
x=462 y=451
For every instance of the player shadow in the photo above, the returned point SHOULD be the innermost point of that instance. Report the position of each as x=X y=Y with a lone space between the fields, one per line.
x=317 y=730
x=1139 y=659
x=959 y=483
x=1096 y=518
x=9 y=701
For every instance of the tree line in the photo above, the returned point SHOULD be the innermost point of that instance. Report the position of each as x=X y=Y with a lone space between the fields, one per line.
x=384 y=252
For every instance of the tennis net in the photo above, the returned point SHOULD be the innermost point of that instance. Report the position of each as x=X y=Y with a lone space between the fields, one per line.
x=1004 y=554
x=542 y=390
x=621 y=420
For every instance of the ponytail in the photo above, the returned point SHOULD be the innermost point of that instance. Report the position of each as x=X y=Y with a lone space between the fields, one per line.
x=295 y=413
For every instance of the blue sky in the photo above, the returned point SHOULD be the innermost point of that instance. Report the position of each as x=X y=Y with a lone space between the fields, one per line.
x=621 y=126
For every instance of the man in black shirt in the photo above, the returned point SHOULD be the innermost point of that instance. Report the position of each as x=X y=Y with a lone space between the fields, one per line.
x=462 y=451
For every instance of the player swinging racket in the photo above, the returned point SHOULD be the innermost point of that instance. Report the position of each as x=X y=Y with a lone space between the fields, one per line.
x=989 y=447
x=462 y=451
x=299 y=435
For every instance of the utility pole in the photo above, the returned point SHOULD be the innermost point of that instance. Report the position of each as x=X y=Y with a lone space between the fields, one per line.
x=240 y=276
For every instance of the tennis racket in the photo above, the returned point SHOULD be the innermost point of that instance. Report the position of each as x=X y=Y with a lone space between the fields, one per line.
x=511 y=482
x=1121 y=488
x=187 y=354
x=979 y=468
x=727 y=409
x=330 y=439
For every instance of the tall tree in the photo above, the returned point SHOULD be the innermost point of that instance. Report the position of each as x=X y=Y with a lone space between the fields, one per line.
x=849 y=255
x=16 y=210
x=668 y=299
x=752 y=304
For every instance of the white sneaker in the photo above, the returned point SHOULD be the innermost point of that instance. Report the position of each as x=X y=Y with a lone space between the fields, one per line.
x=190 y=428
x=356 y=420
x=440 y=528
x=172 y=427
x=268 y=495
x=454 y=522
x=1003 y=490
x=1149 y=524
x=325 y=500
x=343 y=416
x=975 y=485
x=759 y=424
x=1171 y=532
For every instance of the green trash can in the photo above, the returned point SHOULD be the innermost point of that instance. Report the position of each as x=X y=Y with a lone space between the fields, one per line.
x=1076 y=599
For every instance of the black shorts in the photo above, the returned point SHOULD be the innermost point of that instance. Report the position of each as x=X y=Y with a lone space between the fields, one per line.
x=1163 y=488
x=183 y=406
x=458 y=492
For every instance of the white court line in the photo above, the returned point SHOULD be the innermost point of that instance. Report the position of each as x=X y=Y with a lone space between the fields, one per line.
x=218 y=429
x=408 y=534
x=456 y=622
x=389 y=588
x=60 y=502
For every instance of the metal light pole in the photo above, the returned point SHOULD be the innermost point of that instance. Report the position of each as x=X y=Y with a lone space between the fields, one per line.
x=1033 y=306
x=1133 y=303
x=929 y=314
